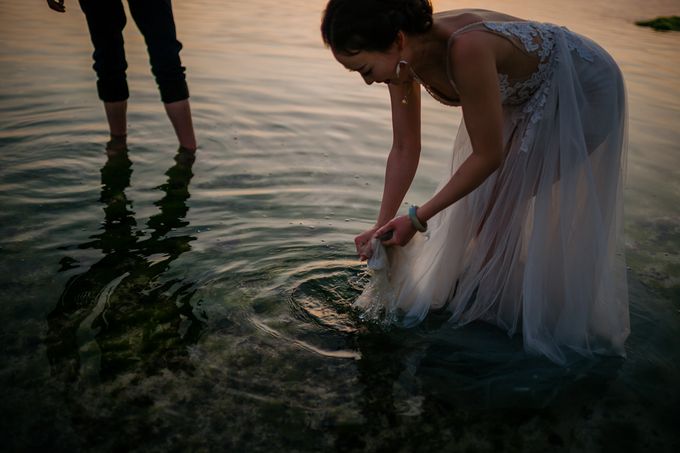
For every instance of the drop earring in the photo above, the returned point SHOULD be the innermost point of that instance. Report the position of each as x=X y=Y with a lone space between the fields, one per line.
x=401 y=62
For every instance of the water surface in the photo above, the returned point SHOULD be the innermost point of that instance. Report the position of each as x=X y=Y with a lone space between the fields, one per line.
x=150 y=303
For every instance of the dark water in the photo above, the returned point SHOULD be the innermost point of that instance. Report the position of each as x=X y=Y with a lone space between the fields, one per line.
x=152 y=303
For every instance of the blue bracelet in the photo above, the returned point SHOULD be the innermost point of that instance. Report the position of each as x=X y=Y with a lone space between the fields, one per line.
x=415 y=221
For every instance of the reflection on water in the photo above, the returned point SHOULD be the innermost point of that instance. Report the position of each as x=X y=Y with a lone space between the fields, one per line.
x=223 y=320
x=117 y=313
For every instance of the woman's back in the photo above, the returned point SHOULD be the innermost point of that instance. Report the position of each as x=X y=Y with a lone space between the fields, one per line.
x=513 y=59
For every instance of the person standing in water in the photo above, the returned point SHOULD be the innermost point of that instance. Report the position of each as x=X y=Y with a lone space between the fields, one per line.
x=526 y=230
x=106 y=20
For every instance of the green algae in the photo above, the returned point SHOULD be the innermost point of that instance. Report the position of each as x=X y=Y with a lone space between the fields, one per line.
x=670 y=23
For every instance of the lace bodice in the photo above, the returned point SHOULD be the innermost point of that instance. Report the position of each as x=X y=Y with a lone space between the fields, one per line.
x=531 y=37
x=539 y=39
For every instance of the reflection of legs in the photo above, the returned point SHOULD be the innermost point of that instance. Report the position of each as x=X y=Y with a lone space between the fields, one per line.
x=106 y=21
x=173 y=207
x=155 y=20
x=147 y=321
x=79 y=299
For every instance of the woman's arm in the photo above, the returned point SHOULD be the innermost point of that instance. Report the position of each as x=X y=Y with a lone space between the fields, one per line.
x=402 y=161
x=476 y=78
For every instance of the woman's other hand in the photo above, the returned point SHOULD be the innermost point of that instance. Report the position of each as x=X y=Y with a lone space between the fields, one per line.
x=401 y=228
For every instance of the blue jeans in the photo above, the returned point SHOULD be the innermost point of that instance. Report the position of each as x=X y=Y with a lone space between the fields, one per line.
x=106 y=20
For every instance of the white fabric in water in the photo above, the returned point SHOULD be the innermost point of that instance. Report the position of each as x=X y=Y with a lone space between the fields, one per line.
x=377 y=296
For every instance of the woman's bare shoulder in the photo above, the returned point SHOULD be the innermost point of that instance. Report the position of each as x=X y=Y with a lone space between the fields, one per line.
x=465 y=16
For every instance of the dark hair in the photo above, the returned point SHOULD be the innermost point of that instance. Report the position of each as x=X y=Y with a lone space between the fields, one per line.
x=349 y=26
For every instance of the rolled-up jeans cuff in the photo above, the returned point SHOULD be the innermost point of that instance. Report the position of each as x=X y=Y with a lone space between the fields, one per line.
x=113 y=90
x=173 y=92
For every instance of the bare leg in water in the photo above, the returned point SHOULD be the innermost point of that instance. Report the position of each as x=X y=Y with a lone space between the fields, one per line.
x=178 y=112
x=116 y=115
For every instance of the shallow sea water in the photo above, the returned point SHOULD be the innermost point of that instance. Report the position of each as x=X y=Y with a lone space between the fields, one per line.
x=149 y=304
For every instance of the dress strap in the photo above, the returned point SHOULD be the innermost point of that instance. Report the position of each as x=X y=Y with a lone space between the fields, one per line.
x=465 y=28
x=448 y=49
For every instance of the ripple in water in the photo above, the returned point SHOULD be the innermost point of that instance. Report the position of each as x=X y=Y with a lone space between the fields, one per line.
x=319 y=317
x=324 y=296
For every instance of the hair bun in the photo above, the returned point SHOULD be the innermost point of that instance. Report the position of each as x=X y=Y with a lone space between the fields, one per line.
x=353 y=25
x=416 y=14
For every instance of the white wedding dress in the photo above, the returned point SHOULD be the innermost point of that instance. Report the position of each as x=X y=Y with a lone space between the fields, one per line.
x=537 y=248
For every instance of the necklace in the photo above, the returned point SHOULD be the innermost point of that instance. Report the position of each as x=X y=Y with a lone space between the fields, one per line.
x=409 y=89
x=435 y=94
x=416 y=77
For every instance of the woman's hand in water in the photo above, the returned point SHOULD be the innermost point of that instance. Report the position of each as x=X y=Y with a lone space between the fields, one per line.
x=363 y=244
x=401 y=228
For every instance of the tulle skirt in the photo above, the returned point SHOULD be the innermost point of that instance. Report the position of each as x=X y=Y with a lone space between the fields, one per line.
x=537 y=248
